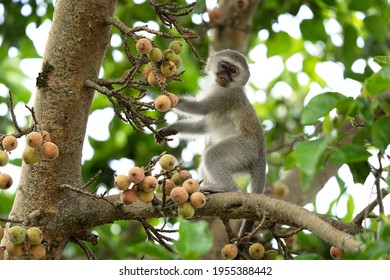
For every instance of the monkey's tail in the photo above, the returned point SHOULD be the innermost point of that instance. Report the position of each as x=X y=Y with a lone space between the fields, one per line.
x=257 y=174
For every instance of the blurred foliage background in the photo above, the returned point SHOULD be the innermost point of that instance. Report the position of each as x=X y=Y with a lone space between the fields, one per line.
x=298 y=50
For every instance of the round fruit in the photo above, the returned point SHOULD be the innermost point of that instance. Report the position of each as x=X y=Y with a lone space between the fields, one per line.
x=168 y=68
x=256 y=251
x=216 y=15
x=156 y=55
x=198 y=200
x=143 y=46
x=9 y=143
x=14 y=250
x=291 y=240
x=136 y=175
x=176 y=46
x=152 y=80
x=229 y=251
x=191 y=185
x=169 y=185
x=128 y=196
x=1 y=233
x=50 y=151
x=5 y=181
x=167 y=162
x=184 y=175
x=122 y=182
x=174 y=99
x=179 y=195
x=147 y=71
x=17 y=234
x=3 y=158
x=177 y=61
x=2 y=249
x=336 y=252
x=186 y=210
x=162 y=103
x=30 y=155
x=271 y=255
x=149 y=184
x=281 y=189
x=34 y=139
x=34 y=235
x=36 y=252
x=46 y=136
x=145 y=196
x=176 y=179
x=169 y=54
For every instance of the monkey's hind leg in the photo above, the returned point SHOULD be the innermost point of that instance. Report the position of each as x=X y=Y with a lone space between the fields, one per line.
x=220 y=162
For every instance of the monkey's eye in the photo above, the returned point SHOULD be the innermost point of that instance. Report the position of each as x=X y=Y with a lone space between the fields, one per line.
x=224 y=66
x=233 y=70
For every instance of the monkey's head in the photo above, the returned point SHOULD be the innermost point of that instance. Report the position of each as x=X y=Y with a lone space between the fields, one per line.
x=229 y=68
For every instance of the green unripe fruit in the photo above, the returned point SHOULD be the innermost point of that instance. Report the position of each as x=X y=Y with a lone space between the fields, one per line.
x=229 y=251
x=167 y=162
x=176 y=46
x=9 y=143
x=177 y=61
x=122 y=182
x=256 y=251
x=169 y=54
x=271 y=255
x=179 y=195
x=168 y=68
x=128 y=196
x=186 y=210
x=30 y=155
x=5 y=181
x=50 y=151
x=176 y=179
x=17 y=234
x=34 y=235
x=156 y=55
x=145 y=196
x=281 y=189
x=34 y=139
x=14 y=250
x=3 y=158
x=36 y=252
x=198 y=200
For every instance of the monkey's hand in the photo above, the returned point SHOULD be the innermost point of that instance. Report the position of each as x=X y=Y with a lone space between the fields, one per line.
x=163 y=133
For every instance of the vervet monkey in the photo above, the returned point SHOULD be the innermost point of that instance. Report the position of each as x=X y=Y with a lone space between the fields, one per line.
x=222 y=112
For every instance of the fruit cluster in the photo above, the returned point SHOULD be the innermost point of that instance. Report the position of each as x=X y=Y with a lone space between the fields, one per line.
x=22 y=240
x=36 y=142
x=256 y=251
x=165 y=65
x=177 y=184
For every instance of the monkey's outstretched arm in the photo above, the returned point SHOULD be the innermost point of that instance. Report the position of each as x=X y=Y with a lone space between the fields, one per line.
x=186 y=127
x=196 y=107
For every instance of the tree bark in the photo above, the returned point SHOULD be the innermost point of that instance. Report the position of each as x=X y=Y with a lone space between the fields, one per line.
x=78 y=40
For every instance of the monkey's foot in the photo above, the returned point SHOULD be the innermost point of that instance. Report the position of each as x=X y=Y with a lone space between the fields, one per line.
x=210 y=188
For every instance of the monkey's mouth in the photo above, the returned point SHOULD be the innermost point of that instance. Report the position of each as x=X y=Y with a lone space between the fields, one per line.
x=223 y=79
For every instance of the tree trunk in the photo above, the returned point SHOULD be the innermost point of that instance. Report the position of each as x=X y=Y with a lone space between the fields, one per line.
x=78 y=40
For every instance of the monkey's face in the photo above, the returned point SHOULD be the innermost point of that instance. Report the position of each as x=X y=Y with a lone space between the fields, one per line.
x=226 y=73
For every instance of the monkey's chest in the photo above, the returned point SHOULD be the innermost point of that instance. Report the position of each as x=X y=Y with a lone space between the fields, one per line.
x=221 y=127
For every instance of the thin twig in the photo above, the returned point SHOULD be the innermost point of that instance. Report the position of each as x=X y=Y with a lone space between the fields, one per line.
x=11 y=108
x=88 y=252
x=80 y=191
x=92 y=180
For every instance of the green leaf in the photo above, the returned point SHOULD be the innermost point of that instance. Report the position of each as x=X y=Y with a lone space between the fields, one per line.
x=152 y=250
x=360 y=5
x=308 y=155
x=382 y=60
x=313 y=30
x=194 y=241
x=350 y=153
x=378 y=82
x=320 y=106
x=376 y=26
x=360 y=171
x=381 y=132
